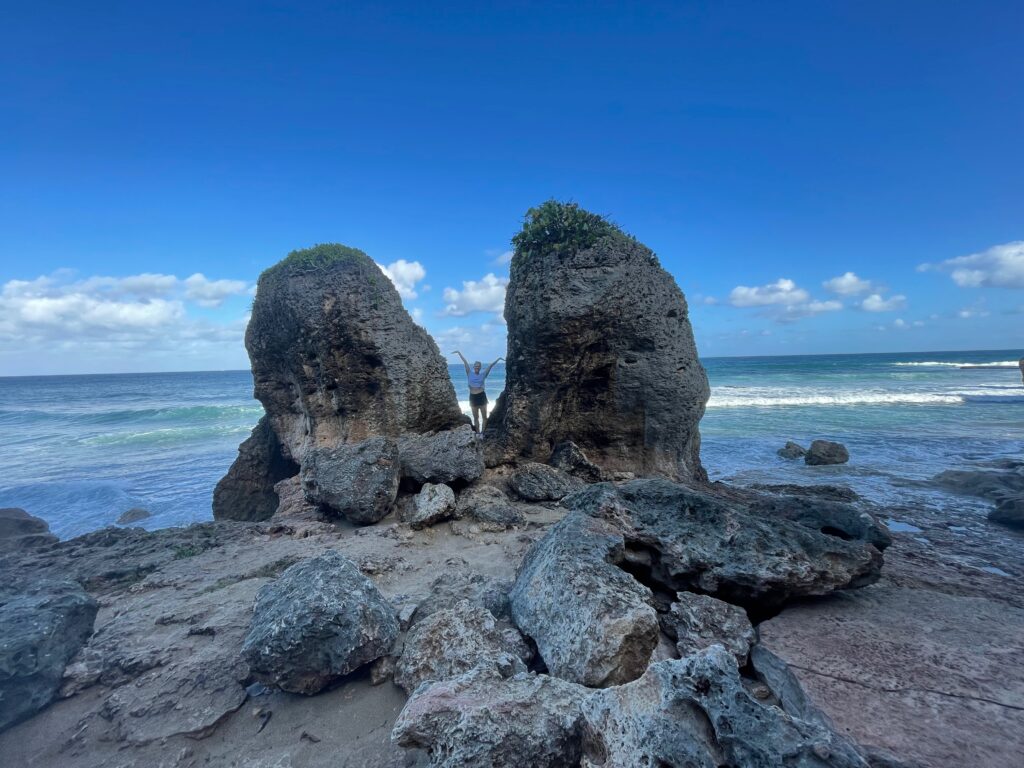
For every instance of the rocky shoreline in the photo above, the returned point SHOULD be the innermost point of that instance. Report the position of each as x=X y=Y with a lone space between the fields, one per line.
x=383 y=588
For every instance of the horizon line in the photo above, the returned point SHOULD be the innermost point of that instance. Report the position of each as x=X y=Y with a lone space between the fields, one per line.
x=709 y=357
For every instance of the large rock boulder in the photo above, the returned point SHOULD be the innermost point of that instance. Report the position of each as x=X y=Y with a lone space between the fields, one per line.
x=19 y=529
x=320 y=620
x=246 y=492
x=432 y=504
x=490 y=506
x=539 y=482
x=479 y=720
x=792 y=450
x=42 y=625
x=585 y=592
x=696 y=711
x=336 y=358
x=823 y=452
x=698 y=621
x=359 y=482
x=693 y=712
x=600 y=351
x=454 y=641
x=450 y=456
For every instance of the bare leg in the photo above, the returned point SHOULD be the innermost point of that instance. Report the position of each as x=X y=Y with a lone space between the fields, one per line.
x=483 y=411
x=476 y=418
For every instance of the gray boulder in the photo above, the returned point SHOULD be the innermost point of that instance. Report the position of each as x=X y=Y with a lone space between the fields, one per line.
x=539 y=482
x=43 y=624
x=578 y=593
x=19 y=530
x=246 y=492
x=320 y=620
x=358 y=481
x=792 y=450
x=450 y=456
x=1009 y=512
x=698 y=622
x=829 y=517
x=600 y=351
x=480 y=720
x=993 y=484
x=487 y=504
x=432 y=504
x=454 y=641
x=592 y=621
x=824 y=452
x=336 y=358
x=570 y=458
x=456 y=584
x=696 y=711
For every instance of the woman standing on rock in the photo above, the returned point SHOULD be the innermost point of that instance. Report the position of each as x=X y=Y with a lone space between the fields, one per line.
x=477 y=395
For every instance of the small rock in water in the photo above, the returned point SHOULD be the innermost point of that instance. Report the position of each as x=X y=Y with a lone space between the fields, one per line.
x=824 y=452
x=1009 y=512
x=792 y=450
x=133 y=515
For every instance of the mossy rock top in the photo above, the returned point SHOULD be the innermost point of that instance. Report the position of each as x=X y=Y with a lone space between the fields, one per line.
x=555 y=227
x=319 y=257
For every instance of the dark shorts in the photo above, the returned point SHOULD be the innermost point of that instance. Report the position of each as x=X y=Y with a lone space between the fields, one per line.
x=478 y=399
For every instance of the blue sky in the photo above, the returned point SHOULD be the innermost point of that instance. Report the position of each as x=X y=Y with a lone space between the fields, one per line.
x=155 y=157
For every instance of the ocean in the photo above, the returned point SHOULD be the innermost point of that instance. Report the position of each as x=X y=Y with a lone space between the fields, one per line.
x=81 y=450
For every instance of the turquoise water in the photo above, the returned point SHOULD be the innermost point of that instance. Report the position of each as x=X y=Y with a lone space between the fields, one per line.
x=80 y=450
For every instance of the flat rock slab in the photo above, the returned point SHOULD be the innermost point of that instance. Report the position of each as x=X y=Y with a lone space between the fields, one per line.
x=931 y=677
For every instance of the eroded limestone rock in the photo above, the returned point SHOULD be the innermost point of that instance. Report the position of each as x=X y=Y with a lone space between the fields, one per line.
x=42 y=626
x=358 y=481
x=539 y=482
x=600 y=351
x=319 y=620
x=449 y=456
x=432 y=504
x=453 y=641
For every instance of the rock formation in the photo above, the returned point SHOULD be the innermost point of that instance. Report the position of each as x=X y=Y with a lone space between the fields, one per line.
x=359 y=481
x=594 y=623
x=320 y=620
x=19 y=529
x=600 y=351
x=792 y=450
x=454 y=641
x=44 y=623
x=335 y=359
x=246 y=492
x=824 y=452
x=434 y=503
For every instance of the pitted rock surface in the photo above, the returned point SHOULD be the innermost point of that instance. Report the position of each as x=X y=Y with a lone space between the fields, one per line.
x=319 y=620
x=600 y=352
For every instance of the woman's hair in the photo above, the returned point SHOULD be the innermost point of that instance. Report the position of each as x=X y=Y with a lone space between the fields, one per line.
x=476 y=363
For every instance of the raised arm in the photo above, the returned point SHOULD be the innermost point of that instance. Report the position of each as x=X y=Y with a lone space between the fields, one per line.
x=488 y=371
x=465 y=363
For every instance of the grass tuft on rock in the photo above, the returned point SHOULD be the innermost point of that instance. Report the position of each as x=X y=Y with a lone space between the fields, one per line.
x=316 y=258
x=554 y=227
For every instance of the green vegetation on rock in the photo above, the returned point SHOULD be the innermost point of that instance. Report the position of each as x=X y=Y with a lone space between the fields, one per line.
x=315 y=258
x=561 y=227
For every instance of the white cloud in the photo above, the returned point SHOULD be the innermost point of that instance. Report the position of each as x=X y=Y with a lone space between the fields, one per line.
x=484 y=295
x=1001 y=266
x=899 y=322
x=782 y=291
x=847 y=284
x=784 y=300
x=404 y=274
x=482 y=342
x=875 y=303
x=504 y=259
x=797 y=311
x=58 y=324
x=211 y=293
